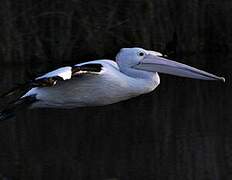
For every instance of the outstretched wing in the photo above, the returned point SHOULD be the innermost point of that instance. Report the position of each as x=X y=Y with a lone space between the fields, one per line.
x=51 y=78
x=48 y=80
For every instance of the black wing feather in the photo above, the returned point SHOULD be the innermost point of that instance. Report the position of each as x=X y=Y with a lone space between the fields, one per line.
x=86 y=68
x=12 y=107
x=52 y=81
x=21 y=89
x=43 y=82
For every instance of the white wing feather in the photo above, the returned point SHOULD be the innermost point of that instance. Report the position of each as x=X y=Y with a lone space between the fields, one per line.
x=63 y=72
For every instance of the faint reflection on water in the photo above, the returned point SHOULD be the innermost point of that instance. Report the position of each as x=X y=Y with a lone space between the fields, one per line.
x=182 y=129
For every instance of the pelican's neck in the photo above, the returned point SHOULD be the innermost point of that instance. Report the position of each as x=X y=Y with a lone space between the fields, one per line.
x=141 y=81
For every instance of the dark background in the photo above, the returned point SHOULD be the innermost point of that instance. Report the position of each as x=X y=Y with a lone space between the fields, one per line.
x=180 y=131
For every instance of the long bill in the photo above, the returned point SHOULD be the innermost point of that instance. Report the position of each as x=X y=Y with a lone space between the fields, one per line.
x=162 y=65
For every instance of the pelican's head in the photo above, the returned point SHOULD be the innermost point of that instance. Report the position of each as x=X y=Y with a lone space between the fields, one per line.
x=152 y=61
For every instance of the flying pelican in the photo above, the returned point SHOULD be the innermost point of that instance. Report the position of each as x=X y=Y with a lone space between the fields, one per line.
x=102 y=82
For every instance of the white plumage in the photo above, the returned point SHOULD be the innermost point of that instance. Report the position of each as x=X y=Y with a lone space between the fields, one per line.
x=64 y=72
x=103 y=82
x=92 y=89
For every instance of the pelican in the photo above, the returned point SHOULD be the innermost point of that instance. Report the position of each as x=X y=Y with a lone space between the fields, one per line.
x=102 y=82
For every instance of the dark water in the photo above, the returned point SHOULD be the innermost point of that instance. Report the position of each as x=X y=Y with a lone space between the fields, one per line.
x=181 y=131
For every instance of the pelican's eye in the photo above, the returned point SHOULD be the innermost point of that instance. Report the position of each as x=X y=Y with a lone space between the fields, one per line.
x=141 y=54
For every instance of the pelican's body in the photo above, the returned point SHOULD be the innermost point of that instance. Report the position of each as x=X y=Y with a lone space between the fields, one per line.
x=102 y=82
x=108 y=86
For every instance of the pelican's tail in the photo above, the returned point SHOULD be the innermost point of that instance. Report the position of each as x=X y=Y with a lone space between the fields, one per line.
x=11 y=108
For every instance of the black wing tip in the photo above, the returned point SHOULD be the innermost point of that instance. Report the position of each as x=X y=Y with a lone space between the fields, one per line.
x=9 y=93
x=18 y=89
x=19 y=104
x=5 y=115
